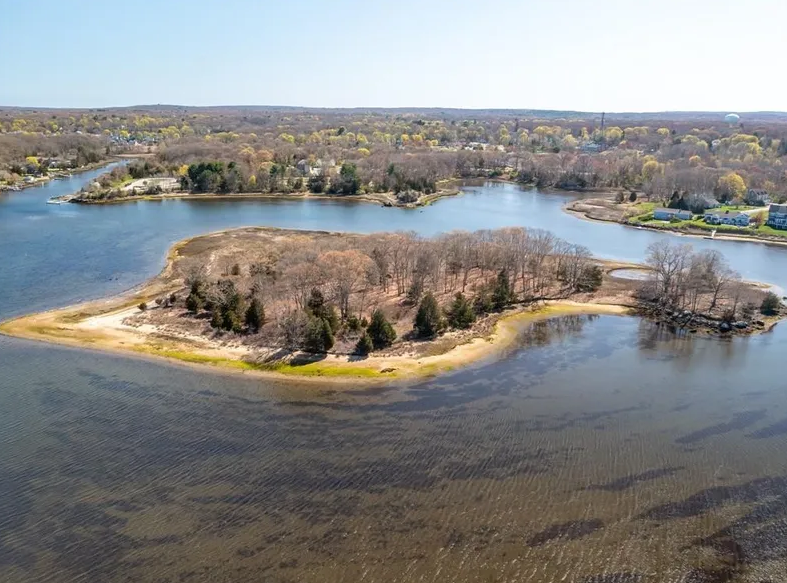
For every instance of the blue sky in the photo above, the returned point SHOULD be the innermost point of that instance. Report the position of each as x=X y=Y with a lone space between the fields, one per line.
x=594 y=55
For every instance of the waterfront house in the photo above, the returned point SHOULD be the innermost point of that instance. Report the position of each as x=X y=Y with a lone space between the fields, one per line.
x=777 y=216
x=733 y=218
x=662 y=214
x=757 y=197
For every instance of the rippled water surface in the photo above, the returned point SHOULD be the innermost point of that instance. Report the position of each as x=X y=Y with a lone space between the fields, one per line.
x=601 y=450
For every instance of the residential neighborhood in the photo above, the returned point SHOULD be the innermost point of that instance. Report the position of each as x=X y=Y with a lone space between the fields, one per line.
x=727 y=217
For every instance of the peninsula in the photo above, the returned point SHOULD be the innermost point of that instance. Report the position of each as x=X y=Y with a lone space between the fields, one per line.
x=307 y=304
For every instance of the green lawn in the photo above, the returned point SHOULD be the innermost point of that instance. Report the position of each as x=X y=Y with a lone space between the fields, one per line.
x=699 y=224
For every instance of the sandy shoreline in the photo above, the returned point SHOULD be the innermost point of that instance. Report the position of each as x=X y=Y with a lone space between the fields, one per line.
x=100 y=325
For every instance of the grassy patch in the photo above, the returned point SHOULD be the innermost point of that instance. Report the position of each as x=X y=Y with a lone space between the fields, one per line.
x=771 y=232
x=312 y=369
x=319 y=369
x=194 y=358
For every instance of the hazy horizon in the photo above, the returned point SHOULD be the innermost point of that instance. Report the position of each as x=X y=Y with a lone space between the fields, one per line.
x=645 y=57
x=383 y=108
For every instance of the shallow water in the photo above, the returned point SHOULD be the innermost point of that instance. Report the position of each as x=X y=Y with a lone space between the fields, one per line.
x=601 y=450
x=635 y=274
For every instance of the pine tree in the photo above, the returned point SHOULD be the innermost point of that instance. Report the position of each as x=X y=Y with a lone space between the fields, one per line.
x=313 y=340
x=482 y=303
x=194 y=303
x=230 y=321
x=428 y=321
x=255 y=315
x=461 y=314
x=318 y=337
x=327 y=336
x=770 y=304
x=316 y=303
x=502 y=294
x=380 y=331
x=365 y=345
x=318 y=308
x=216 y=319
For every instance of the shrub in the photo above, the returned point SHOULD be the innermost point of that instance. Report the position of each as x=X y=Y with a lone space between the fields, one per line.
x=317 y=184
x=461 y=314
x=143 y=306
x=353 y=324
x=429 y=321
x=235 y=269
x=365 y=345
x=770 y=304
x=380 y=330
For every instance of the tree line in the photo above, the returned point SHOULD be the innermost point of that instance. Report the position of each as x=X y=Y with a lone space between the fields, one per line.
x=366 y=291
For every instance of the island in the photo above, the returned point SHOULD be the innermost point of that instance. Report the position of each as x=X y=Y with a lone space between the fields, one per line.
x=349 y=307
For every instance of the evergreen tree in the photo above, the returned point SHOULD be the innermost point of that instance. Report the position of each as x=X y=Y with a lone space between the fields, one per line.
x=230 y=321
x=590 y=279
x=416 y=290
x=380 y=331
x=327 y=336
x=194 y=303
x=461 y=314
x=318 y=308
x=502 y=294
x=482 y=303
x=331 y=315
x=428 y=321
x=216 y=319
x=255 y=315
x=318 y=337
x=313 y=339
x=365 y=345
x=770 y=304
x=316 y=303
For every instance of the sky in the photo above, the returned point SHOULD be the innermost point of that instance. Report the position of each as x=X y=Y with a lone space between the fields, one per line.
x=586 y=55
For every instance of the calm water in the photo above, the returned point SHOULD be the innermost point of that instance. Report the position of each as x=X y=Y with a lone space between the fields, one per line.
x=602 y=450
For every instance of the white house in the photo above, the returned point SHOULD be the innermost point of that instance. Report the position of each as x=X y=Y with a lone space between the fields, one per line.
x=662 y=214
x=727 y=218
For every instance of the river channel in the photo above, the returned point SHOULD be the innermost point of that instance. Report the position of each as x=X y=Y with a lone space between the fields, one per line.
x=600 y=450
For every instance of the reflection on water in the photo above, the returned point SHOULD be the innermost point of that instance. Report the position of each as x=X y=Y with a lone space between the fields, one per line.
x=592 y=453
